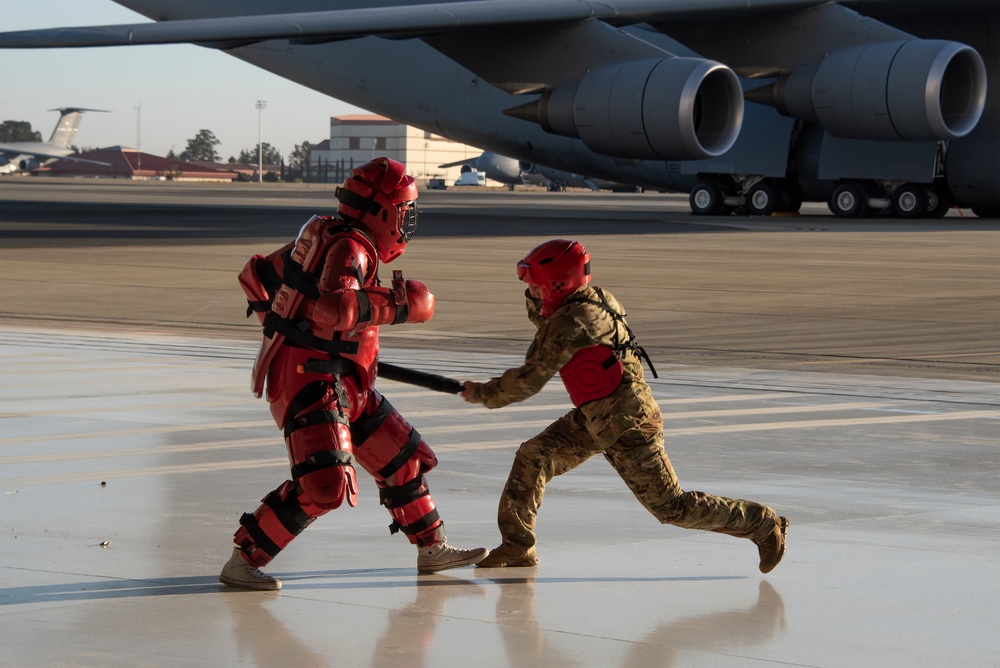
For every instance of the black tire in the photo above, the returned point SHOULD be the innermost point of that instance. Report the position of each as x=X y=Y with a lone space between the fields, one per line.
x=762 y=199
x=939 y=200
x=848 y=200
x=910 y=201
x=706 y=199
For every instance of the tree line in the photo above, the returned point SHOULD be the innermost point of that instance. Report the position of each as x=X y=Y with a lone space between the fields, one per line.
x=200 y=148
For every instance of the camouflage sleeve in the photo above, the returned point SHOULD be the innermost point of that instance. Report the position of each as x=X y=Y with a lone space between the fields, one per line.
x=555 y=343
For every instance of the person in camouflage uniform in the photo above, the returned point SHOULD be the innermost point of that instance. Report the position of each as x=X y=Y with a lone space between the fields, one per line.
x=583 y=336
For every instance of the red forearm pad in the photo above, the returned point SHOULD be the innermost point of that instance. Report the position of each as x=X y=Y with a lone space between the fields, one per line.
x=341 y=310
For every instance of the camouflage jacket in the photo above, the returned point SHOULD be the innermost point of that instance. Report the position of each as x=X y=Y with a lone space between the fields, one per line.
x=575 y=325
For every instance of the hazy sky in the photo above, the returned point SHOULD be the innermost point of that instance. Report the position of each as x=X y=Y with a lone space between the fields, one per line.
x=178 y=89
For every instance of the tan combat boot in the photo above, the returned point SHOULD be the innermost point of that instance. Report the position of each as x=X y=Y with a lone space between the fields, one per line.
x=770 y=542
x=508 y=554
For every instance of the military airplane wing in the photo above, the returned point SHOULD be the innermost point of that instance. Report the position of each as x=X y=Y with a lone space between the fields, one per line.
x=647 y=92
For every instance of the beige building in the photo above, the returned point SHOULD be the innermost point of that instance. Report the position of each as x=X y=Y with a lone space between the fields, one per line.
x=357 y=138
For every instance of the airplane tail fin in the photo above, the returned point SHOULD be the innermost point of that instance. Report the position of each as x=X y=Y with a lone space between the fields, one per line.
x=69 y=122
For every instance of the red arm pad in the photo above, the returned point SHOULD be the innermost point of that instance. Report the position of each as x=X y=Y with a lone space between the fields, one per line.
x=341 y=310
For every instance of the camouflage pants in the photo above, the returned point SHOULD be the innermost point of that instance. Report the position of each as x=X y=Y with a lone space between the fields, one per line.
x=639 y=459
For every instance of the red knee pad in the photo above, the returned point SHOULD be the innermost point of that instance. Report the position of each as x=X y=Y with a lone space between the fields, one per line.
x=323 y=464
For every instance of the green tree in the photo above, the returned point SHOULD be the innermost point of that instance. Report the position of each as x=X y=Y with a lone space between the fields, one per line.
x=271 y=155
x=300 y=155
x=201 y=148
x=18 y=131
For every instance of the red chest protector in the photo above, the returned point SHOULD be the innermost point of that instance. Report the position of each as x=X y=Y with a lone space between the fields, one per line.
x=277 y=306
x=593 y=373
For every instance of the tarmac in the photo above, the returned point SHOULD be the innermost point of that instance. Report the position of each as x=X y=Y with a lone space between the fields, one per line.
x=131 y=445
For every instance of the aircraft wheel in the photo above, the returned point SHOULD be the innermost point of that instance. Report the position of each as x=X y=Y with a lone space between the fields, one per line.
x=706 y=199
x=910 y=201
x=762 y=199
x=939 y=200
x=848 y=200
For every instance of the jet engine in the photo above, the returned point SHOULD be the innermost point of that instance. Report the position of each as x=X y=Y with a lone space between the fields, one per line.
x=501 y=168
x=666 y=109
x=916 y=90
x=29 y=164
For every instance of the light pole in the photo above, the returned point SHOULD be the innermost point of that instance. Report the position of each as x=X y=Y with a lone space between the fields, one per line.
x=261 y=106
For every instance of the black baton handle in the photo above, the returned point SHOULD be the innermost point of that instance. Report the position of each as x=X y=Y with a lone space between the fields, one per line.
x=429 y=380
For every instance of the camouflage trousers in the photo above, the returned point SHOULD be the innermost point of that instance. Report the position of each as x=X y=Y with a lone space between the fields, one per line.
x=639 y=459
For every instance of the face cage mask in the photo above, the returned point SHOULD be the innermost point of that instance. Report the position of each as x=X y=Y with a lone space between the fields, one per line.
x=407 y=215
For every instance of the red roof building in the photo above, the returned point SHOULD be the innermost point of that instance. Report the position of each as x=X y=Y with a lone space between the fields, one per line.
x=127 y=163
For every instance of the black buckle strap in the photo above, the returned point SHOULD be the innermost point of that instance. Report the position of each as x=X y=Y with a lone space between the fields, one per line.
x=323 y=459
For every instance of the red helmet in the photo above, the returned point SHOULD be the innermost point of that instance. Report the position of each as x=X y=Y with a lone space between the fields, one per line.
x=382 y=198
x=558 y=268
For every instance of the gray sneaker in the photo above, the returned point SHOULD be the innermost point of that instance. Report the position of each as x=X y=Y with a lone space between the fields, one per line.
x=441 y=556
x=238 y=572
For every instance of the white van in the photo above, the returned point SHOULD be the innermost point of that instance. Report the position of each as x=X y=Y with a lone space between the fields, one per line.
x=471 y=179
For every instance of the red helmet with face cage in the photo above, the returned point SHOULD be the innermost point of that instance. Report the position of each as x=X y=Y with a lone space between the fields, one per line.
x=382 y=199
x=558 y=268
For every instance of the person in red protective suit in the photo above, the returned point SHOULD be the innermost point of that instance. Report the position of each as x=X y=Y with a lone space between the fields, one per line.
x=320 y=303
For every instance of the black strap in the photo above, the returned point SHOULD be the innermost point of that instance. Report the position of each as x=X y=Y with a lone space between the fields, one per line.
x=400 y=495
x=402 y=313
x=356 y=201
x=275 y=323
x=299 y=279
x=289 y=512
x=362 y=431
x=260 y=539
x=413 y=528
x=619 y=347
x=364 y=306
x=314 y=418
x=332 y=367
x=404 y=455
x=323 y=459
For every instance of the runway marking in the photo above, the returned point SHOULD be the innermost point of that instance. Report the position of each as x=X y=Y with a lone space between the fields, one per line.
x=137 y=431
x=84 y=476
x=534 y=424
x=153 y=451
x=840 y=422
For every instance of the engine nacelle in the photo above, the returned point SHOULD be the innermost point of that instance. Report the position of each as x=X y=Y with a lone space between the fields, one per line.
x=916 y=90
x=29 y=164
x=501 y=168
x=667 y=109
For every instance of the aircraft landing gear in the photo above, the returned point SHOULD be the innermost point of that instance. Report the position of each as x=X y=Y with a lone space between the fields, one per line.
x=910 y=201
x=849 y=200
x=708 y=198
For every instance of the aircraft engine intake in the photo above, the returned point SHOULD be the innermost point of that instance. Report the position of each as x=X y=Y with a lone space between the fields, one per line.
x=28 y=164
x=660 y=109
x=916 y=90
